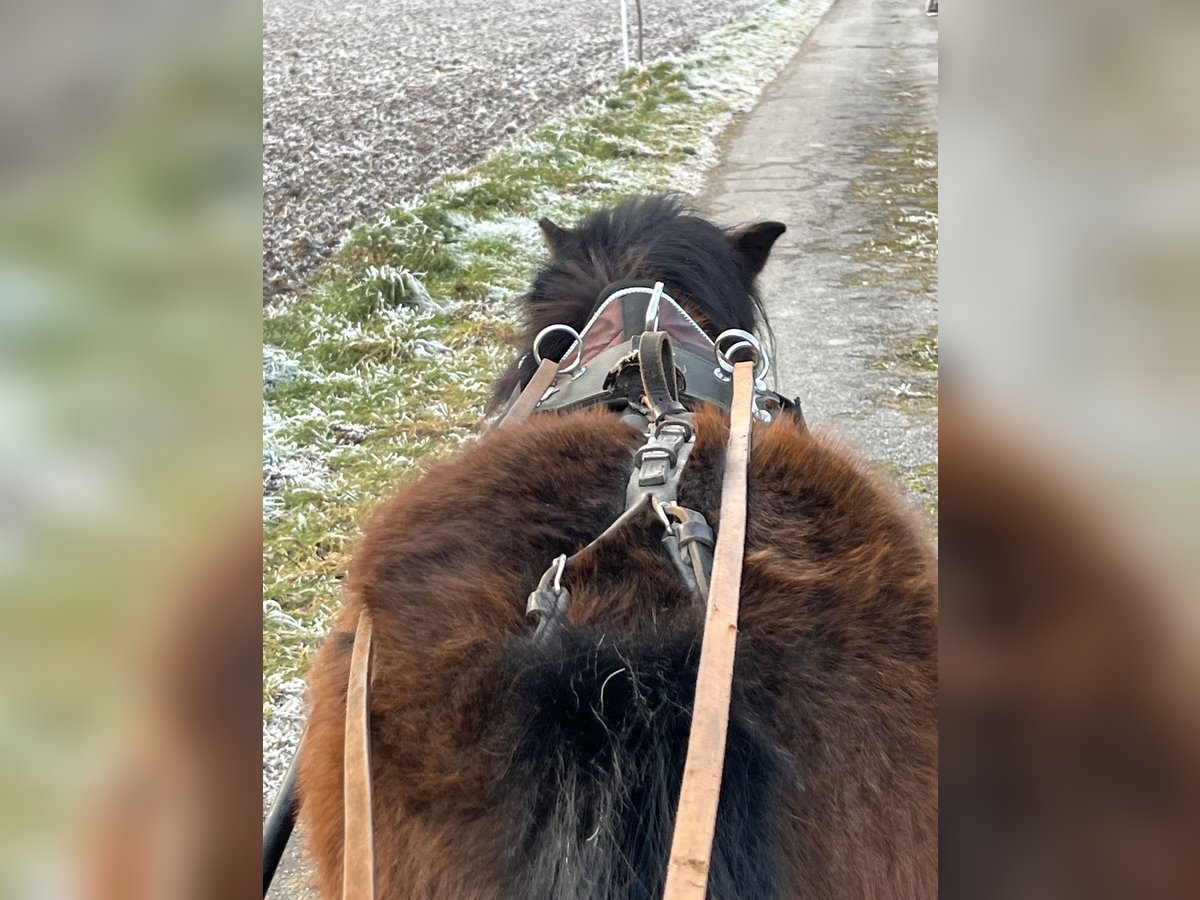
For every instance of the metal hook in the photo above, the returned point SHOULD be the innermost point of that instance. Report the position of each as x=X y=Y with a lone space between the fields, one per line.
x=661 y=512
x=561 y=562
x=652 y=307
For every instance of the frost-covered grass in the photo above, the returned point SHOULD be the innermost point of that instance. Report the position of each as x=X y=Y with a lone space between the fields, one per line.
x=386 y=361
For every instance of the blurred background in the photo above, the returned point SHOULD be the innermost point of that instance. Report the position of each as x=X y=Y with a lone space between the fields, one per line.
x=129 y=331
x=1070 y=167
x=130 y=312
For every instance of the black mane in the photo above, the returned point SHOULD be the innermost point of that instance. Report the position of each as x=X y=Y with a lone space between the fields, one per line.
x=708 y=270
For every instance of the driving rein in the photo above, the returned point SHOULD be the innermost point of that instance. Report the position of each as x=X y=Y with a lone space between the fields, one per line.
x=644 y=358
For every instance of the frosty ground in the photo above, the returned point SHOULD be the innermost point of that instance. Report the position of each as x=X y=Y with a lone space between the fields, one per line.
x=364 y=104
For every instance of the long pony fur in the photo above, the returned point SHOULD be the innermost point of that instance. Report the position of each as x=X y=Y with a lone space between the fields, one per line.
x=509 y=768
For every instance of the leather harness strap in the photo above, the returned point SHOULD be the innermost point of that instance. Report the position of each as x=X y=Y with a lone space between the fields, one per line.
x=537 y=387
x=696 y=817
x=610 y=341
x=660 y=381
x=358 y=857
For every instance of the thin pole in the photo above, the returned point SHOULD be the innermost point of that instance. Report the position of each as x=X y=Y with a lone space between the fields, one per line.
x=641 y=54
x=625 y=31
x=696 y=817
x=281 y=820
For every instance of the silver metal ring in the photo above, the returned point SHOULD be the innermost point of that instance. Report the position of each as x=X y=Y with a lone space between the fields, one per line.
x=549 y=329
x=740 y=338
x=733 y=348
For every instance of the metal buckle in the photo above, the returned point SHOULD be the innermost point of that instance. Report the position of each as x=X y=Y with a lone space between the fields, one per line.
x=670 y=421
x=655 y=459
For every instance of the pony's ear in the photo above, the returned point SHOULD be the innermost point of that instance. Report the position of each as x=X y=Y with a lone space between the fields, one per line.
x=555 y=236
x=753 y=244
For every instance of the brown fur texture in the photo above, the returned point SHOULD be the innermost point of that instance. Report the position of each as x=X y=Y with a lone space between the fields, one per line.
x=509 y=768
x=837 y=652
x=1069 y=716
x=177 y=818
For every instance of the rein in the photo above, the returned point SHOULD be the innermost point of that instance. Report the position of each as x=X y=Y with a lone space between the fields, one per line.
x=645 y=384
x=696 y=818
x=358 y=857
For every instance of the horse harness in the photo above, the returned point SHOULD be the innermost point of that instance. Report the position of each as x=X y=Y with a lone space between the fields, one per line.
x=643 y=357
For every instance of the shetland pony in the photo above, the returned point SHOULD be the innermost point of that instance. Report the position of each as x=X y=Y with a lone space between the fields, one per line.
x=505 y=767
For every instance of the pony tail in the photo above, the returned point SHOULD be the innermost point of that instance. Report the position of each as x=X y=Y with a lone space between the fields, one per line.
x=599 y=732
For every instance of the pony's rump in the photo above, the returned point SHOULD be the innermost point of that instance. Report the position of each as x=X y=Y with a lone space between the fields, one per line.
x=509 y=767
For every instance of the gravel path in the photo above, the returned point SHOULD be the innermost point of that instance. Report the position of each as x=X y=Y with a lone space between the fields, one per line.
x=843 y=148
x=365 y=103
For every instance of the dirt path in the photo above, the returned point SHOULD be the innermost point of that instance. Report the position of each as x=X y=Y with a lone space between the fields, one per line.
x=843 y=148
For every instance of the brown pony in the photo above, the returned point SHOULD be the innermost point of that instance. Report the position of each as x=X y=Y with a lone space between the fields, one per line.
x=509 y=768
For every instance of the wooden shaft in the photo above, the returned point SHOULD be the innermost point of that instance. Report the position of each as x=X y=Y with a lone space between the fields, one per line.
x=281 y=820
x=696 y=819
x=528 y=401
x=358 y=856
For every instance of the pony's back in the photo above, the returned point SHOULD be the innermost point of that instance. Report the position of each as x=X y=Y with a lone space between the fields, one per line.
x=506 y=767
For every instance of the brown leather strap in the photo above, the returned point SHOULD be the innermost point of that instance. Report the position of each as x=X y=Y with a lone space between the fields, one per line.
x=358 y=857
x=659 y=378
x=696 y=819
x=528 y=401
